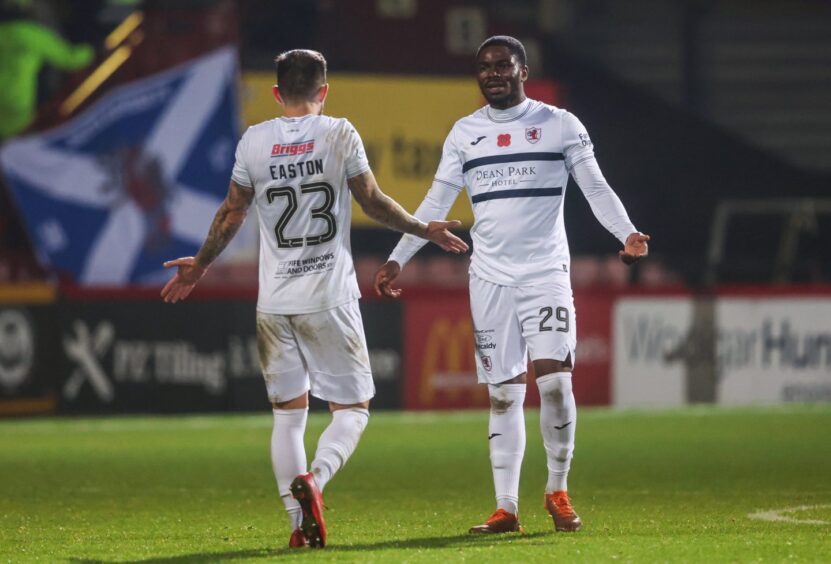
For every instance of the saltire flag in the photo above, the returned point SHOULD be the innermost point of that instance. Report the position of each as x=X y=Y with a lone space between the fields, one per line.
x=133 y=180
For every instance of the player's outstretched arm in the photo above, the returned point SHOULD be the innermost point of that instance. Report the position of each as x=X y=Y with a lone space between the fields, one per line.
x=388 y=212
x=635 y=248
x=385 y=276
x=229 y=218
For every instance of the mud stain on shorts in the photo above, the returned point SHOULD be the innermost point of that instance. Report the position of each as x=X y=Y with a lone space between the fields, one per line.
x=355 y=347
x=306 y=331
x=267 y=345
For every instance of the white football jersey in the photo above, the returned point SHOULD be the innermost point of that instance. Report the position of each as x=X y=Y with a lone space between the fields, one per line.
x=515 y=164
x=298 y=169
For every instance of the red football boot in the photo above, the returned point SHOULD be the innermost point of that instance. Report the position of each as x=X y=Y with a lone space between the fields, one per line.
x=500 y=522
x=297 y=539
x=304 y=489
x=559 y=507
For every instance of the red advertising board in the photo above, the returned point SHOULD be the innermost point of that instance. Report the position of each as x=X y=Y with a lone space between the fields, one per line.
x=592 y=382
x=439 y=367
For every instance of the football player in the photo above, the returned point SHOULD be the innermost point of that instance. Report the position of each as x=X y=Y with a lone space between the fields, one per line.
x=299 y=170
x=514 y=157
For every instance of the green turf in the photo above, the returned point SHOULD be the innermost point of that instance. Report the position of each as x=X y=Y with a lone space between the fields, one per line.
x=650 y=486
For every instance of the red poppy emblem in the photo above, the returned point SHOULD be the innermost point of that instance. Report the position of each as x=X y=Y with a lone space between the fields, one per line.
x=504 y=140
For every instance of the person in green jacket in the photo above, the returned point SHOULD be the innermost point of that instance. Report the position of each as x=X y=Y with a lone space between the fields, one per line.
x=25 y=46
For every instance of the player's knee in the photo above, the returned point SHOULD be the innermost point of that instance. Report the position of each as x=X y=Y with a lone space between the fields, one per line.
x=546 y=366
x=556 y=389
x=564 y=385
x=500 y=399
x=296 y=403
x=363 y=421
x=356 y=415
x=334 y=406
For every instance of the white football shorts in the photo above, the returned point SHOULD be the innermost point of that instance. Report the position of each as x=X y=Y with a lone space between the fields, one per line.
x=323 y=352
x=511 y=322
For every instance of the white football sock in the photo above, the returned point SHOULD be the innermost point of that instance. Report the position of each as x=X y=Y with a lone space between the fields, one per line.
x=506 y=439
x=338 y=442
x=288 y=455
x=558 y=418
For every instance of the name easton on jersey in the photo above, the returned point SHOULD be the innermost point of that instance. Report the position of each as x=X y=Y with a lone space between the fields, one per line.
x=296 y=170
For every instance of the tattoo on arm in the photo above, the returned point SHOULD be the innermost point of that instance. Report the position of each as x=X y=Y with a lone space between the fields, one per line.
x=229 y=218
x=387 y=211
x=382 y=208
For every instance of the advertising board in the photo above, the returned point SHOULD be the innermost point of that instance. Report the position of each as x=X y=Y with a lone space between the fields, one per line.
x=648 y=334
x=124 y=356
x=729 y=349
x=774 y=350
x=29 y=350
x=134 y=356
x=438 y=354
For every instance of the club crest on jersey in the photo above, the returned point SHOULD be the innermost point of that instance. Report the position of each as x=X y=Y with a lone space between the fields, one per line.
x=292 y=149
x=533 y=134
x=503 y=140
x=486 y=363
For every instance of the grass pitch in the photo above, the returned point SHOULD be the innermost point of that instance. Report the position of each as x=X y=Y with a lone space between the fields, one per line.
x=650 y=486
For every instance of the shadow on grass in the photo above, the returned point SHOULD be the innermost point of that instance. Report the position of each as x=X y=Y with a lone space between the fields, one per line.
x=427 y=542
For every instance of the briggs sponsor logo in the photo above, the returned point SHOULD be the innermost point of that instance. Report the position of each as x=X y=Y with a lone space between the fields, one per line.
x=292 y=149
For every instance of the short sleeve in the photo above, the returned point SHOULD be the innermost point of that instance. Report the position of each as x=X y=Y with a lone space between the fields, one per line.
x=577 y=146
x=450 y=166
x=356 y=161
x=240 y=172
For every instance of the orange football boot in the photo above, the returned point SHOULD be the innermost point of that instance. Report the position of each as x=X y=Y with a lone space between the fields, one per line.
x=304 y=489
x=500 y=522
x=298 y=539
x=559 y=507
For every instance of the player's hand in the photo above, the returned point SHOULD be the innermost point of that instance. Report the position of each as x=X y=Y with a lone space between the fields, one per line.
x=439 y=233
x=185 y=279
x=635 y=248
x=385 y=276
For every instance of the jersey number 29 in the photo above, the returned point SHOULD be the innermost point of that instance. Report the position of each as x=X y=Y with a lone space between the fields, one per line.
x=562 y=317
x=323 y=212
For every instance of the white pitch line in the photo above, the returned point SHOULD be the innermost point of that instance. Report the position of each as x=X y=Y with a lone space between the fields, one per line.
x=780 y=515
